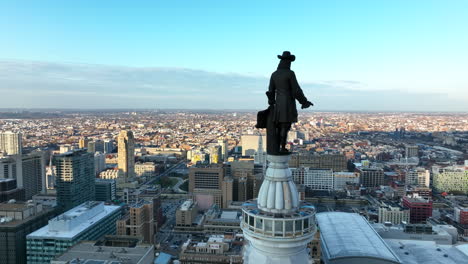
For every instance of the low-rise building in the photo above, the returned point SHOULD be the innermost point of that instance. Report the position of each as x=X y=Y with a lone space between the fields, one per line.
x=342 y=179
x=213 y=249
x=393 y=213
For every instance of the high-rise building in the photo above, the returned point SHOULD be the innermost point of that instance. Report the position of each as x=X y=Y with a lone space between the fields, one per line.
x=99 y=145
x=28 y=170
x=209 y=186
x=260 y=155
x=247 y=179
x=83 y=142
x=33 y=178
x=109 y=146
x=450 y=179
x=91 y=146
x=105 y=190
x=75 y=178
x=126 y=155
x=277 y=226
x=411 y=151
x=224 y=148
x=250 y=144
x=9 y=190
x=420 y=209
x=139 y=222
x=88 y=221
x=371 y=177
x=16 y=221
x=99 y=162
x=11 y=143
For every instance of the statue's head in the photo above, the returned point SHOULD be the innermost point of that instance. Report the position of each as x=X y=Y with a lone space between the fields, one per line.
x=287 y=56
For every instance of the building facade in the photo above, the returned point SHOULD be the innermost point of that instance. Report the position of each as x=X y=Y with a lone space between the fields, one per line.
x=420 y=209
x=370 y=177
x=139 y=222
x=341 y=179
x=186 y=213
x=451 y=179
x=315 y=179
x=393 y=213
x=74 y=178
x=209 y=186
x=105 y=190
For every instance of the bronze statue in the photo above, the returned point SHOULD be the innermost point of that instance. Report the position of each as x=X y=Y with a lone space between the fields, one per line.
x=282 y=95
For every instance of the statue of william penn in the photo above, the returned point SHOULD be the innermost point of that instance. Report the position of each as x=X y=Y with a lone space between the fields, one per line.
x=282 y=94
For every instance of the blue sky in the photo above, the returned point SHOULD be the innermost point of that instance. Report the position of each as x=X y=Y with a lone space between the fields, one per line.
x=414 y=47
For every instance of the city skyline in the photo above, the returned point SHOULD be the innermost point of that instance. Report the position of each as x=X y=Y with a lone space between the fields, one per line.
x=356 y=55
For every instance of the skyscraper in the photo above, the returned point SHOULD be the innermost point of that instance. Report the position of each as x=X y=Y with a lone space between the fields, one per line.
x=75 y=178
x=27 y=169
x=126 y=159
x=250 y=144
x=83 y=143
x=11 y=143
x=224 y=148
x=33 y=174
x=108 y=146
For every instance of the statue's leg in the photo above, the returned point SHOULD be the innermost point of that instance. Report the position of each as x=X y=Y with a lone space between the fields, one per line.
x=283 y=134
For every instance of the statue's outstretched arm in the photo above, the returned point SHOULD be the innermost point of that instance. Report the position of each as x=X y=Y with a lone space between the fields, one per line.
x=298 y=93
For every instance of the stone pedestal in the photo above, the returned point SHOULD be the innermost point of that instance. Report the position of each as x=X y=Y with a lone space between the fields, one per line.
x=277 y=225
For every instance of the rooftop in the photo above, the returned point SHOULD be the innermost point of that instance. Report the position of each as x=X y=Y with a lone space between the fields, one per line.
x=186 y=205
x=89 y=253
x=349 y=235
x=73 y=222
x=414 y=252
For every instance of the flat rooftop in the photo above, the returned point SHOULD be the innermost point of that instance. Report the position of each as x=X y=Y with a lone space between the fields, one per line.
x=88 y=253
x=73 y=222
x=428 y=252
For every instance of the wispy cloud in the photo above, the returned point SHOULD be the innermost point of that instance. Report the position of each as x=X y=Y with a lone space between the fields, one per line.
x=46 y=84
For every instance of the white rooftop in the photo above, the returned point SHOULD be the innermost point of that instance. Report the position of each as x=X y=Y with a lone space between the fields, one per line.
x=186 y=205
x=229 y=215
x=349 y=235
x=76 y=220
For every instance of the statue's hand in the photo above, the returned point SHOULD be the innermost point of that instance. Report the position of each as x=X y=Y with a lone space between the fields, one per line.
x=307 y=105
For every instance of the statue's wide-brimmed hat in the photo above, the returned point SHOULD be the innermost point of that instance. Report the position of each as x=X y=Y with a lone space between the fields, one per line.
x=287 y=56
